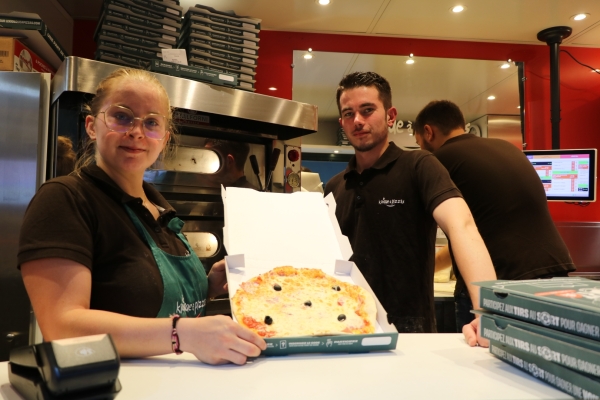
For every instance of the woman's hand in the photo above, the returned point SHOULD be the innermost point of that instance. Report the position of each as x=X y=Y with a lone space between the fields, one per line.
x=473 y=335
x=217 y=280
x=218 y=340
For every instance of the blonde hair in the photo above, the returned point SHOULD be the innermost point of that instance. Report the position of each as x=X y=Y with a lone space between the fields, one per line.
x=103 y=90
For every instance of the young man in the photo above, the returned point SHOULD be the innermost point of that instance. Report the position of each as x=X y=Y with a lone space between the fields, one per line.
x=505 y=195
x=389 y=203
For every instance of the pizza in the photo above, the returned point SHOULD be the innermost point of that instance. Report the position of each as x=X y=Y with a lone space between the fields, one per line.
x=288 y=301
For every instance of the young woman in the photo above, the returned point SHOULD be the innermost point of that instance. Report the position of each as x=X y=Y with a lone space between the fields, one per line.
x=101 y=251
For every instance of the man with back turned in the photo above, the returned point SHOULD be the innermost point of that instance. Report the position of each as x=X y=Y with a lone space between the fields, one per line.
x=505 y=195
x=389 y=203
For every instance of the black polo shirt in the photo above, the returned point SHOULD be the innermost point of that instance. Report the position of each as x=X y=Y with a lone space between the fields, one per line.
x=83 y=218
x=509 y=206
x=386 y=212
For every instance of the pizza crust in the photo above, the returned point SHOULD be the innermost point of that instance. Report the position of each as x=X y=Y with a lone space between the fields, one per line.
x=288 y=301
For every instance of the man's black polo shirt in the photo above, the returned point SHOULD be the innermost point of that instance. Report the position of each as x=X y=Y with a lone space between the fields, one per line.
x=386 y=212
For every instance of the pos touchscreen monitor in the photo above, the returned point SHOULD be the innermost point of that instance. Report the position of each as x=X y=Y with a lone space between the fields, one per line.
x=567 y=175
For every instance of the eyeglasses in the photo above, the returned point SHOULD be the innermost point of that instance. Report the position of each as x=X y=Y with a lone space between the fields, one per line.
x=121 y=119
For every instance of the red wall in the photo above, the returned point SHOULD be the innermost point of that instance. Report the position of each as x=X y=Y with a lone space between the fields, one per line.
x=580 y=88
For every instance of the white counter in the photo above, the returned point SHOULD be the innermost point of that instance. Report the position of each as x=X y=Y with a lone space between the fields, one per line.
x=424 y=366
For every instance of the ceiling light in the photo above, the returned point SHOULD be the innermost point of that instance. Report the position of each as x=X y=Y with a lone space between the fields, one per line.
x=457 y=9
x=308 y=55
x=505 y=65
x=336 y=151
x=323 y=2
x=579 y=17
x=410 y=59
x=272 y=88
x=491 y=97
x=518 y=106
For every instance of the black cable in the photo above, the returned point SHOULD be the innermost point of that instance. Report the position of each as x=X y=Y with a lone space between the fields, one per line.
x=580 y=63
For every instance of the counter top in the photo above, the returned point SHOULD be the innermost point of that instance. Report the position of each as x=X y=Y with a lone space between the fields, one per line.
x=424 y=366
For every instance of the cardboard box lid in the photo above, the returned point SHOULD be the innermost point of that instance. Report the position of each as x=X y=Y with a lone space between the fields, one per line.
x=574 y=292
x=274 y=229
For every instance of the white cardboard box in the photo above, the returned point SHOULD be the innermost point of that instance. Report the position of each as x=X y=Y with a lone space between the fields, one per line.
x=267 y=230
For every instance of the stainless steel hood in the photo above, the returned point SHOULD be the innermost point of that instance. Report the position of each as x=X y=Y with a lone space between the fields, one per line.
x=243 y=110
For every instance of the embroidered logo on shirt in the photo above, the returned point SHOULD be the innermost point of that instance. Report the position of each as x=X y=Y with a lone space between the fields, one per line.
x=184 y=307
x=391 y=203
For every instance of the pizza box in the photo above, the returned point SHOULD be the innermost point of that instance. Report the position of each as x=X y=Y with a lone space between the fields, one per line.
x=199 y=31
x=575 y=384
x=230 y=30
x=171 y=11
x=15 y=56
x=570 y=304
x=579 y=354
x=207 y=65
x=226 y=18
x=219 y=45
x=191 y=72
x=236 y=58
x=246 y=86
x=113 y=13
x=218 y=62
x=266 y=230
x=120 y=27
x=141 y=52
x=140 y=12
x=34 y=33
x=133 y=40
x=121 y=59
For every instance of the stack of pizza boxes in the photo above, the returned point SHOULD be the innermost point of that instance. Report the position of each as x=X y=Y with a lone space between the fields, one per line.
x=28 y=45
x=550 y=328
x=265 y=230
x=222 y=42
x=134 y=32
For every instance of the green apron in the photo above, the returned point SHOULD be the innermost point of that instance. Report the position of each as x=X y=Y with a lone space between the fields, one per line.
x=184 y=278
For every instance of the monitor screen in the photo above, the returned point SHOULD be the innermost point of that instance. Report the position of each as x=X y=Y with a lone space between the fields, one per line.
x=567 y=175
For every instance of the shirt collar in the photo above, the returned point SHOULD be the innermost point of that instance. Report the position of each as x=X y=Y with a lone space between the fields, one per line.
x=390 y=155
x=96 y=173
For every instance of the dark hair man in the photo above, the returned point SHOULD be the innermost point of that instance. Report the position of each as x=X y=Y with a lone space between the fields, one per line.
x=505 y=195
x=389 y=203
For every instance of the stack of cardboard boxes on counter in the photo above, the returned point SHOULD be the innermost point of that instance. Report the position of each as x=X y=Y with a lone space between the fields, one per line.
x=549 y=328
x=27 y=45
x=221 y=47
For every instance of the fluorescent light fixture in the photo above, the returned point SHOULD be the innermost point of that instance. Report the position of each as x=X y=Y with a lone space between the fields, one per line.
x=579 y=17
x=457 y=9
x=491 y=97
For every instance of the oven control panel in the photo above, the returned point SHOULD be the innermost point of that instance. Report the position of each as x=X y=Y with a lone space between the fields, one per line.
x=292 y=160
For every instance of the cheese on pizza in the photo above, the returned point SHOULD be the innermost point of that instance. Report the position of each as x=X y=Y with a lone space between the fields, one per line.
x=288 y=301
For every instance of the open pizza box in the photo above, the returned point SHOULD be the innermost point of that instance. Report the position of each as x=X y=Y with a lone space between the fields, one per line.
x=267 y=230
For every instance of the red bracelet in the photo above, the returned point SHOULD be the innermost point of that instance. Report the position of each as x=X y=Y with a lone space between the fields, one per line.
x=175 y=336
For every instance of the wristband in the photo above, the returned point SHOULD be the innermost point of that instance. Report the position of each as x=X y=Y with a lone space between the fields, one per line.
x=175 y=336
